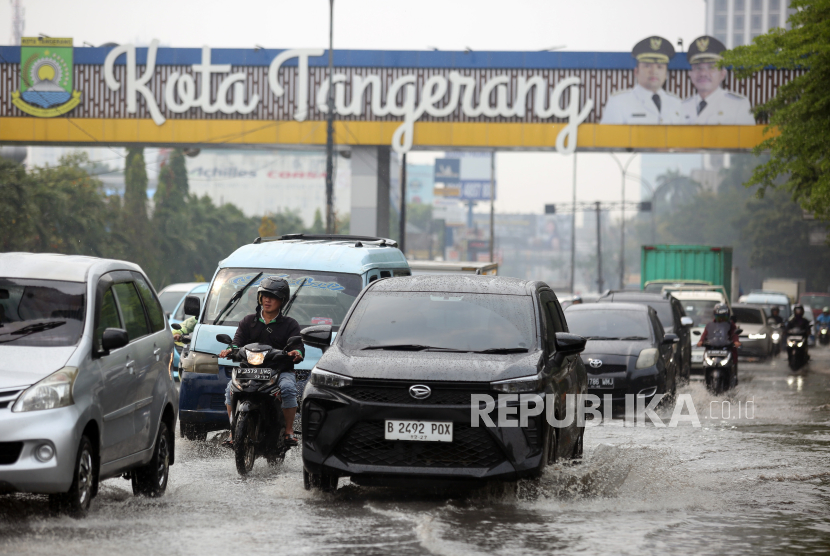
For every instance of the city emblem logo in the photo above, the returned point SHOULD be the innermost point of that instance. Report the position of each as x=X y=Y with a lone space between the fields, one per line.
x=702 y=44
x=655 y=43
x=46 y=68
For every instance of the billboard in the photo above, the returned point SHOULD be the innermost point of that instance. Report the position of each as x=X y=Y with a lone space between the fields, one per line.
x=488 y=100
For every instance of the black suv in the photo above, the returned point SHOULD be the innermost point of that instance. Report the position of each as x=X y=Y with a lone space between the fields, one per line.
x=671 y=314
x=390 y=402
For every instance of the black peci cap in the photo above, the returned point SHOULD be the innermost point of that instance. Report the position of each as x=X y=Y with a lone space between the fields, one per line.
x=705 y=49
x=656 y=50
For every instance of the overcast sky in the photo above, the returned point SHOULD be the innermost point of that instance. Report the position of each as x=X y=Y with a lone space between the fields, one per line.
x=526 y=180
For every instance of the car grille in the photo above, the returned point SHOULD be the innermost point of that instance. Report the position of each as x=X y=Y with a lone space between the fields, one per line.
x=399 y=394
x=8 y=396
x=470 y=448
x=605 y=369
x=9 y=452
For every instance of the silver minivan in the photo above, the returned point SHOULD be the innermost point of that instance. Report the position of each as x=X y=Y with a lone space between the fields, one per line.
x=85 y=386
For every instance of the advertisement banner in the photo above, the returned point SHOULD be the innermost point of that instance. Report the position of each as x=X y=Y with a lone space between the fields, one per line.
x=649 y=99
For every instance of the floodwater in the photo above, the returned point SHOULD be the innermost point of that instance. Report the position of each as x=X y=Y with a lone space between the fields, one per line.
x=758 y=482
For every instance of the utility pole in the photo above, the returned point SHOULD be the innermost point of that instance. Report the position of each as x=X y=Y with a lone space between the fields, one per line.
x=623 y=170
x=402 y=232
x=492 y=205
x=599 y=246
x=573 y=232
x=330 y=130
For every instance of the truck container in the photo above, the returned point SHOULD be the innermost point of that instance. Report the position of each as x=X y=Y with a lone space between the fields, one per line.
x=677 y=263
x=793 y=287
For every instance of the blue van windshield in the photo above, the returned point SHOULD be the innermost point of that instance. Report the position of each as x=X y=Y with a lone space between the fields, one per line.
x=325 y=298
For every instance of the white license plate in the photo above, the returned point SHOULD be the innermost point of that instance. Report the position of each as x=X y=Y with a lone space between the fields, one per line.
x=255 y=374
x=718 y=353
x=697 y=357
x=600 y=382
x=421 y=431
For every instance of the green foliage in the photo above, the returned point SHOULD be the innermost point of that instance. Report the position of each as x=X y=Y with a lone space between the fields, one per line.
x=63 y=209
x=318 y=227
x=800 y=111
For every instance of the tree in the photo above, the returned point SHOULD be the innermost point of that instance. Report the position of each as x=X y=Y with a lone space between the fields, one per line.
x=135 y=224
x=800 y=111
x=317 y=227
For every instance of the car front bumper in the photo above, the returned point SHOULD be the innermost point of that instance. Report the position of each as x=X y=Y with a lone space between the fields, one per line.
x=29 y=430
x=343 y=436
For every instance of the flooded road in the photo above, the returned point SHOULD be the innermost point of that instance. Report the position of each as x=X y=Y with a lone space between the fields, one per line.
x=758 y=482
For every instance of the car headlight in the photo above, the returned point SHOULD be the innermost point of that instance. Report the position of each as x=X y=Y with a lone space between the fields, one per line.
x=50 y=393
x=519 y=385
x=255 y=357
x=319 y=377
x=647 y=358
x=757 y=336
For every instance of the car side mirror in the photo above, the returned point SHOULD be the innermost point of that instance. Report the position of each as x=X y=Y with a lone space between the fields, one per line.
x=686 y=321
x=224 y=339
x=192 y=306
x=569 y=344
x=669 y=339
x=114 y=338
x=317 y=336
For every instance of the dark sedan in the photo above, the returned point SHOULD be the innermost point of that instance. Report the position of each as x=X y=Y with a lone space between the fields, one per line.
x=627 y=351
x=390 y=401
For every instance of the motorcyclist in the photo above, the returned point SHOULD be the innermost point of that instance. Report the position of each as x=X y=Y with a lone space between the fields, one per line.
x=824 y=317
x=775 y=314
x=577 y=300
x=270 y=327
x=722 y=326
x=797 y=322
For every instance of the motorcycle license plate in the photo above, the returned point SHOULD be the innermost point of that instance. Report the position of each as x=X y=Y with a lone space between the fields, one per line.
x=420 y=431
x=718 y=353
x=255 y=374
x=600 y=382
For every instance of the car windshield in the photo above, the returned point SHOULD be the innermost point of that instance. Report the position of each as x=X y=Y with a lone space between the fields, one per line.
x=451 y=321
x=608 y=324
x=325 y=297
x=816 y=301
x=748 y=316
x=41 y=312
x=169 y=300
x=700 y=311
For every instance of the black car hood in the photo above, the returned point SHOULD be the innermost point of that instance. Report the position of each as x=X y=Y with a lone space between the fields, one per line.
x=615 y=347
x=426 y=366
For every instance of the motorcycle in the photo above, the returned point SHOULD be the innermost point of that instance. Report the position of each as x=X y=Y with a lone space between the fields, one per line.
x=824 y=334
x=776 y=337
x=797 y=355
x=719 y=369
x=257 y=422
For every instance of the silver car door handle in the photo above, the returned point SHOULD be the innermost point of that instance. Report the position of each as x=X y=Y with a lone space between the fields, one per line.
x=131 y=366
x=156 y=353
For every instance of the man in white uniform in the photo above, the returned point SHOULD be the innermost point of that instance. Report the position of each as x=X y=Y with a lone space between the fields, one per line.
x=647 y=102
x=711 y=105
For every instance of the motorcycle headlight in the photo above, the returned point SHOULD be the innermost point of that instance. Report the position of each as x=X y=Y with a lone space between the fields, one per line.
x=647 y=358
x=801 y=343
x=725 y=361
x=319 y=377
x=255 y=357
x=518 y=385
x=776 y=336
x=709 y=361
x=791 y=343
x=757 y=336
x=50 y=393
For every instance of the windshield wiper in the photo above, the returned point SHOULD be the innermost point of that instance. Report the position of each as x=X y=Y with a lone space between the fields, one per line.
x=235 y=298
x=31 y=329
x=634 y=338
x=414 y=347
x=601 y=338
x=293 y=297
x=503 y=350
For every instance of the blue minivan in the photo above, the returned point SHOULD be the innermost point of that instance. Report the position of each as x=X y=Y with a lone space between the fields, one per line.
x=329 y=270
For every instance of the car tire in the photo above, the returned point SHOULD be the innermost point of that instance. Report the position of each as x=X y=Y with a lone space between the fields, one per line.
x=76 y=501
x=193 y=432
x=323 y=482
x=579 y=448
x=151 y=479
x=553 y=446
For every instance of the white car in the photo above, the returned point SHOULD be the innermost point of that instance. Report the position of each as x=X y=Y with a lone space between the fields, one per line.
x=85 y=386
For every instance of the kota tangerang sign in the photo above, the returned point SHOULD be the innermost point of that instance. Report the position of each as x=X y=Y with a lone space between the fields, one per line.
x=562 y=100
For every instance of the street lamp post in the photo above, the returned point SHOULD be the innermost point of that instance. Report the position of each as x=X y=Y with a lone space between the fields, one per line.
x=623 y=170
x=330 y=130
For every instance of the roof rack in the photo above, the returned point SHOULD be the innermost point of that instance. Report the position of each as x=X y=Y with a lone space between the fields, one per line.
x=665 y=294
x=375 y=241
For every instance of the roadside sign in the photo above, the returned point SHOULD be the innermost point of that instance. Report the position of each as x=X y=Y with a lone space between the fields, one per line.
x=447 y=170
